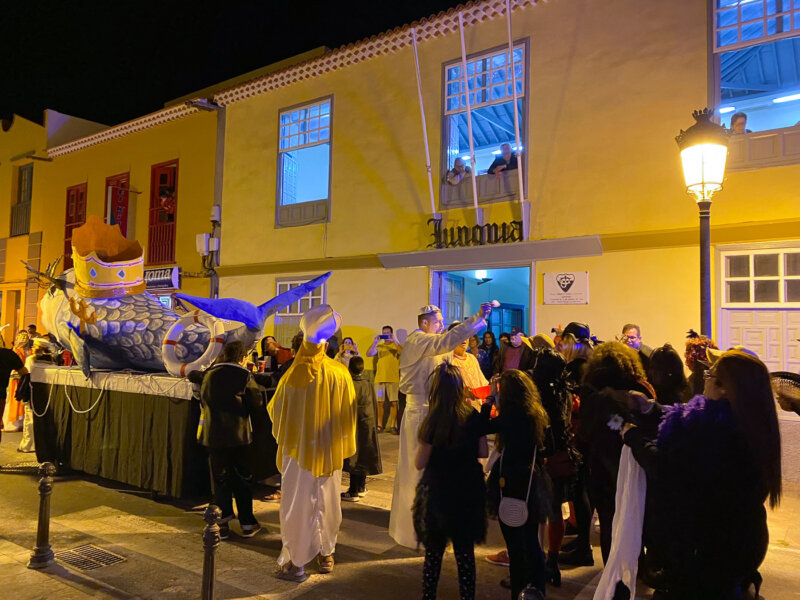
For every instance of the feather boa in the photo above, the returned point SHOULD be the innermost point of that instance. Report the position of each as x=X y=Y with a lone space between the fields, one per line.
x=699 y=412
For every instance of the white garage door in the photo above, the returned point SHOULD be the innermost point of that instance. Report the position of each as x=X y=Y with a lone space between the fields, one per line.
x=772 y=334
x=761 y=303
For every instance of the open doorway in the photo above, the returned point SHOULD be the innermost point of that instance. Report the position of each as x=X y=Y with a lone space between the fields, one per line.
x=460 y=293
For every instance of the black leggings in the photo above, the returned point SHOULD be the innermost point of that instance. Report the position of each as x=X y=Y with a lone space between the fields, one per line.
x=525 y=556
x=465 y=560
x=583 y=508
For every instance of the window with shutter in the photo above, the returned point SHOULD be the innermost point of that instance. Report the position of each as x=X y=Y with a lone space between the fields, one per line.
x=76 y=216
x=21 y=209
x=163 y=213
x=117 y=192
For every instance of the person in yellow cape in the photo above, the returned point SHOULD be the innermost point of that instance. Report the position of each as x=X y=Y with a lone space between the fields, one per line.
x=313 y=416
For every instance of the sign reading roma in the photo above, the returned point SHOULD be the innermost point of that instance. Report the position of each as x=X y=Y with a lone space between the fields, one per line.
x=477 y=235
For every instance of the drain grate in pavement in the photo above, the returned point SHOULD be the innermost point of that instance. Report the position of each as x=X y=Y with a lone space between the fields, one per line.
x=88 y=557
x=26 y=468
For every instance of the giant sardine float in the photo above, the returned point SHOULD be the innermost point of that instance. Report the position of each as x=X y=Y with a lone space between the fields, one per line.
x=100 y=311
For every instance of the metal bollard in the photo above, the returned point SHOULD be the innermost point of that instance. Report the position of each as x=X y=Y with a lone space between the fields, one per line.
x=211 y=541
x=42 y=555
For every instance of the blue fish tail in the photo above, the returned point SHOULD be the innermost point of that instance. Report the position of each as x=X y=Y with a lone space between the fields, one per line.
x=253 y=316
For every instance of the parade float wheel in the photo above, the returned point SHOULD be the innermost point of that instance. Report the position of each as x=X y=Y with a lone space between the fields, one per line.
x=216 y=342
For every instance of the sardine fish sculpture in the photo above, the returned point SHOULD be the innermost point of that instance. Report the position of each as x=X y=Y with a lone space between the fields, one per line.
x=100 y=311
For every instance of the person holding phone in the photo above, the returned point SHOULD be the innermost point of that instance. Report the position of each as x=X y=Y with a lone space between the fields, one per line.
x=347 y=350
x=387 y=377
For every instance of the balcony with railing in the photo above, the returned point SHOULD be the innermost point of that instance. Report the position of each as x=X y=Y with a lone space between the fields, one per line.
x=504 y=188
x=161 y=244
x=761 y=149
x=20 y=219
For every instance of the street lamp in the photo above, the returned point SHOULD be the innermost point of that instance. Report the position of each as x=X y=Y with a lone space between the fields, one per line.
x=704 y=149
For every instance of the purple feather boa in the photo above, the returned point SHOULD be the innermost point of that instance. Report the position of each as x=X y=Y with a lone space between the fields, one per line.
x=699 y=412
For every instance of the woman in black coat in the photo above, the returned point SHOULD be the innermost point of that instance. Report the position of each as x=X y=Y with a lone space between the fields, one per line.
x=520 y=428
x=711 y=468
x=613 y=368
x=491 y=348
x=549 y=376
x=367 y=459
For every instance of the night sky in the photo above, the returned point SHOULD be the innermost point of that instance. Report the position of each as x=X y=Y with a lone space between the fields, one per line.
x=114 y=60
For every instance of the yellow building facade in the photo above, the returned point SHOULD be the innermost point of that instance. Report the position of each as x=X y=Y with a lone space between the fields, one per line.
x=319 y=164
x=606 y=87
x=118 y=173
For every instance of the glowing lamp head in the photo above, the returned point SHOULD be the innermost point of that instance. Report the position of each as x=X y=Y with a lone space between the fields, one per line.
x=704 y=150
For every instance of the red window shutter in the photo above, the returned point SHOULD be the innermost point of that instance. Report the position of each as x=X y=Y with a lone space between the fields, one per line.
x=116 y=201
x=76 y=216
x=163 y=213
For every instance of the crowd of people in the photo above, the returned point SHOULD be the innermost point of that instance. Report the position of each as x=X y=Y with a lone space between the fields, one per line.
x=538 y=432
x=529 y=431
x=16 y=363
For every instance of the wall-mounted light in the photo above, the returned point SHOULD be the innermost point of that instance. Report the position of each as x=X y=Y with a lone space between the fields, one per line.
x=480 y=274
x=726 y=109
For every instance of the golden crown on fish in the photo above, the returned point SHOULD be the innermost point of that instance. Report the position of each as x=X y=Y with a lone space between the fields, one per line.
x=106 y=264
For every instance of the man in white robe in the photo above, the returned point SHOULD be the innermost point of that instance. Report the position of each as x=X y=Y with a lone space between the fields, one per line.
x=314 y=422
x=425 y=348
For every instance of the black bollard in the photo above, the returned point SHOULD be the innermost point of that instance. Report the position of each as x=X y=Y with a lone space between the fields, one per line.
x=42 y=555
x=211 y=541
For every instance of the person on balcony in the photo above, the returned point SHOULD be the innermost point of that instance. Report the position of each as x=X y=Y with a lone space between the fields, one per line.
x=507 y=161
x=739 y=123
x=459 y=171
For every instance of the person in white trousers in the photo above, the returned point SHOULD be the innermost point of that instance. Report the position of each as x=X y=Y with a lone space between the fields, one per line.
x=425 y=348
x=314 y=422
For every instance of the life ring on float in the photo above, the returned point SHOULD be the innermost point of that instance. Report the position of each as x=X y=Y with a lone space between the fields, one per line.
x=215 y=344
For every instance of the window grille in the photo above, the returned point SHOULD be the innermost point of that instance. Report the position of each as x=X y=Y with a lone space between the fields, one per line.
x=489 y=80
x=761 y=279
x=743 y=23
x=305 y=126
x=314 y=298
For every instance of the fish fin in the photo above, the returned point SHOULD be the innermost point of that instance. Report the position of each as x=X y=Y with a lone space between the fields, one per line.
x=252 y=316
x=231 y=309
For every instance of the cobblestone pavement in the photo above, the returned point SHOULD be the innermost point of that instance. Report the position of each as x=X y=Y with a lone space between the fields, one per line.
x=161 y=544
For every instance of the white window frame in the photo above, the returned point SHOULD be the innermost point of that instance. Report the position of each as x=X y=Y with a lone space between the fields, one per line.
x=313 y=298
x=485 y=89
x=313 y=211
x=732 y=10
x=446 y=199
x=751 y=278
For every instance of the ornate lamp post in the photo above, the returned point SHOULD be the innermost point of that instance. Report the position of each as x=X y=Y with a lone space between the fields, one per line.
x=704 y=149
